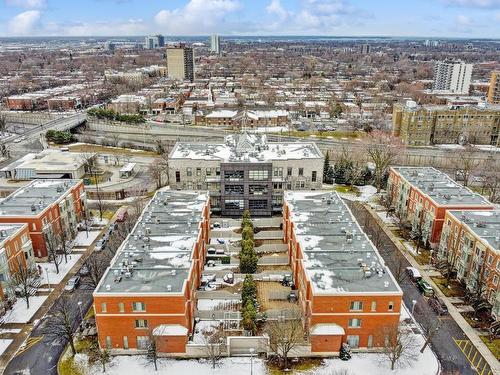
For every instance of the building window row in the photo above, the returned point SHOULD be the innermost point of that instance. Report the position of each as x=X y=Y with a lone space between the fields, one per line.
x=136 y=307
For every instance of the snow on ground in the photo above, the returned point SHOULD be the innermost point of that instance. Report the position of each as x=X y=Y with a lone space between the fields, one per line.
x=385 y=218
x=366 y=193
x=81 y=239
x=273 y=129
x=64 y=268
x=138 y=365
x=10 y=330
x=4 y=343
x=19 y=313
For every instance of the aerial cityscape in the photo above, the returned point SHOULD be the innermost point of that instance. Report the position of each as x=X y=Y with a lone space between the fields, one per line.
x=257 y=187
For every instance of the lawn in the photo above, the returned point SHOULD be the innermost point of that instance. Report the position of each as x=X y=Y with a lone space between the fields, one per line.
x=327 y=134
x=423 y=257
x=85 y=147
x=454 y=291
x=494 y=346
x=304 y=365
x=348 y=189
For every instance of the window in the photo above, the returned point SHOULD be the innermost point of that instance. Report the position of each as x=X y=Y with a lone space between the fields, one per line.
x=209 y=171
x=141 y=323
x=370 y=341
x=138 y=306
x=353 y=341
x=177 y=176
x=354 y=323
x=313 y=177
x=198 y=171
x=258 y=189
x=233 y=175
x=121 y=307
x=257 y=204
x=234 y=204
x=217 y=171
x=125 y=342
x=104 y=307
x=301 y=171
x=278 y=172
x=391 y=306
x=108 y=342
x=258 y=175
x=374 y=305
x=495 y=280
x=234 y=189
x=356 y=306
x=189 y=172
x=142 y=342
x=289 y=171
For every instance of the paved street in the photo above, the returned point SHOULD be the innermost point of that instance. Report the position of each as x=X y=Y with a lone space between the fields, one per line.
x=443 y=344
x=42 y=356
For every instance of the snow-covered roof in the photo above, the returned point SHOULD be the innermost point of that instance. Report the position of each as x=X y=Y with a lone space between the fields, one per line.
x=170 y=330
x=156 y=257
x=337 y=256
x=246 y=147
x=485 y=224
x=8 y=231
x=327 y=329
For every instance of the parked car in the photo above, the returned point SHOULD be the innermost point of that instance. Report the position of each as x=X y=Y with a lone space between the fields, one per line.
x=425 y=288
x=211 y=251
x=72 y=283
x=99 y=245
x=84 y=271
x=221 y=241
x=216 y=225
x=413 y=273
x=211 y=263
x=438 y=305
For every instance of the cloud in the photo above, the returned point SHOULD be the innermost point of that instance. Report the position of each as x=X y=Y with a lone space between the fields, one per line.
x=197 y=16
x=24 y=23
x=275 y=8
x=463 y=20
x=129 y=27
x=474 y=3
x=29 y=4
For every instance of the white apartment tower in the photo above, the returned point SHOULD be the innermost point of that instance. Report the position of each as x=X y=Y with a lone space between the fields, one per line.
x=215 y=43
x=180 y=62
x=452 y=77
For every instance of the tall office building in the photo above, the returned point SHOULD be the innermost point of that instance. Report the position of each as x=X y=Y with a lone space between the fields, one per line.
x=452 y=77
x=180 y=62
x=215 y=44
x=154 y=41
x=494 y=90
x=365 y=49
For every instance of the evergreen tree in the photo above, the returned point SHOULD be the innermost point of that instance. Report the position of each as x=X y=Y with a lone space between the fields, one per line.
x=249 y=316
x=326 y=168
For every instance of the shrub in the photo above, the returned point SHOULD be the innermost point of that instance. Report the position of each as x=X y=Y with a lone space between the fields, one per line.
x=249 y=316
x=109 y=114
x=247 y=233
x=249 y=290
x=248 y=263
x=60 y=137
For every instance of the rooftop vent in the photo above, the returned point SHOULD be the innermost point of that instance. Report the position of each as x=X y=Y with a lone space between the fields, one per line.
x=386 y=284
x=108 y=287
x=169 y=288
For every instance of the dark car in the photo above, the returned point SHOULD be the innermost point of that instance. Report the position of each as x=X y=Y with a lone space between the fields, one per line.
x=438 y=305
x=425 y=288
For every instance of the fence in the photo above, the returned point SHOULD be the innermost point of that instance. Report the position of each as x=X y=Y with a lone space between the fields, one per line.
x=272 y=260
x=241 y=345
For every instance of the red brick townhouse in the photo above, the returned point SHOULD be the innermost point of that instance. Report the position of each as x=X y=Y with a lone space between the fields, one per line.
x=45 y=205
x=16 y=252
x=149 y=289
x=422 y=195
x=346 y=293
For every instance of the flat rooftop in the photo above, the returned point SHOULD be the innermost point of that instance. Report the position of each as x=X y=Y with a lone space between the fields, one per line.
x=440 y=187
x=246 y=147
x=156 y=257
x=338 y=256
x=49 y=161
x=8 y=230
x=485 y=224
x=35 y=197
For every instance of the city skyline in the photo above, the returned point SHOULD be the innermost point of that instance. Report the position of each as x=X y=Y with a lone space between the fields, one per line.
x=425 y=18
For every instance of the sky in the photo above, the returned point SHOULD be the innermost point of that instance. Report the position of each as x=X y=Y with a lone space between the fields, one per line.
x=419 y=18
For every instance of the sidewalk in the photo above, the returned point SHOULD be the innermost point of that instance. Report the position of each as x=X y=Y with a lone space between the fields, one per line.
x=26 y=329
x=454 y=313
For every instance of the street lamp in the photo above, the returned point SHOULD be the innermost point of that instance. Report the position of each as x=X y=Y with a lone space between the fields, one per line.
x=251 y=350
x=47 y=274
x=413 y=303
x=80 y=308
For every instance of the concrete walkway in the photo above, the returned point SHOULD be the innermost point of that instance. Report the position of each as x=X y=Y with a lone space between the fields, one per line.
x=454 y=313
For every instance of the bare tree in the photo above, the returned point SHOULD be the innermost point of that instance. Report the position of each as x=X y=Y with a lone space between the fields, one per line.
x=98 y=355
x=382 y=149
x=23 y=280
x=398 y=344
x=284 y=336
x=152 y=350
x=156 y=170
x=3 y=122
x=53 y=246
x=96 y=265
x=215 y=345
x=59 y=324
x=466 y=163
x=90 y=164
x=490 y=179
x=429 y=322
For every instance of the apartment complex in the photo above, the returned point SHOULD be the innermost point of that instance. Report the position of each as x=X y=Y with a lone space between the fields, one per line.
x=423 y=195
x=154 y=41
x=426 y=125
x=243 y=119
x=46 y=206
x=215 y=43
x=180 y=62
x=16 y=251
x=346 y=292
x=471 y=242
x=452 y=77
x=151 y=283
x=246 y=172
x=494 y=88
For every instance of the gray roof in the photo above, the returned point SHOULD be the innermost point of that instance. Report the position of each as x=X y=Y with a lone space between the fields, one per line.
x=7 y=230
x=156 y=256
x=441 y=188
x=338 y=256
x=485 y=224
x=246 y=147
x=35 y=197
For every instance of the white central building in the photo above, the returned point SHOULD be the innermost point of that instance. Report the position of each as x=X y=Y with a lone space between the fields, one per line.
x=452 y=77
